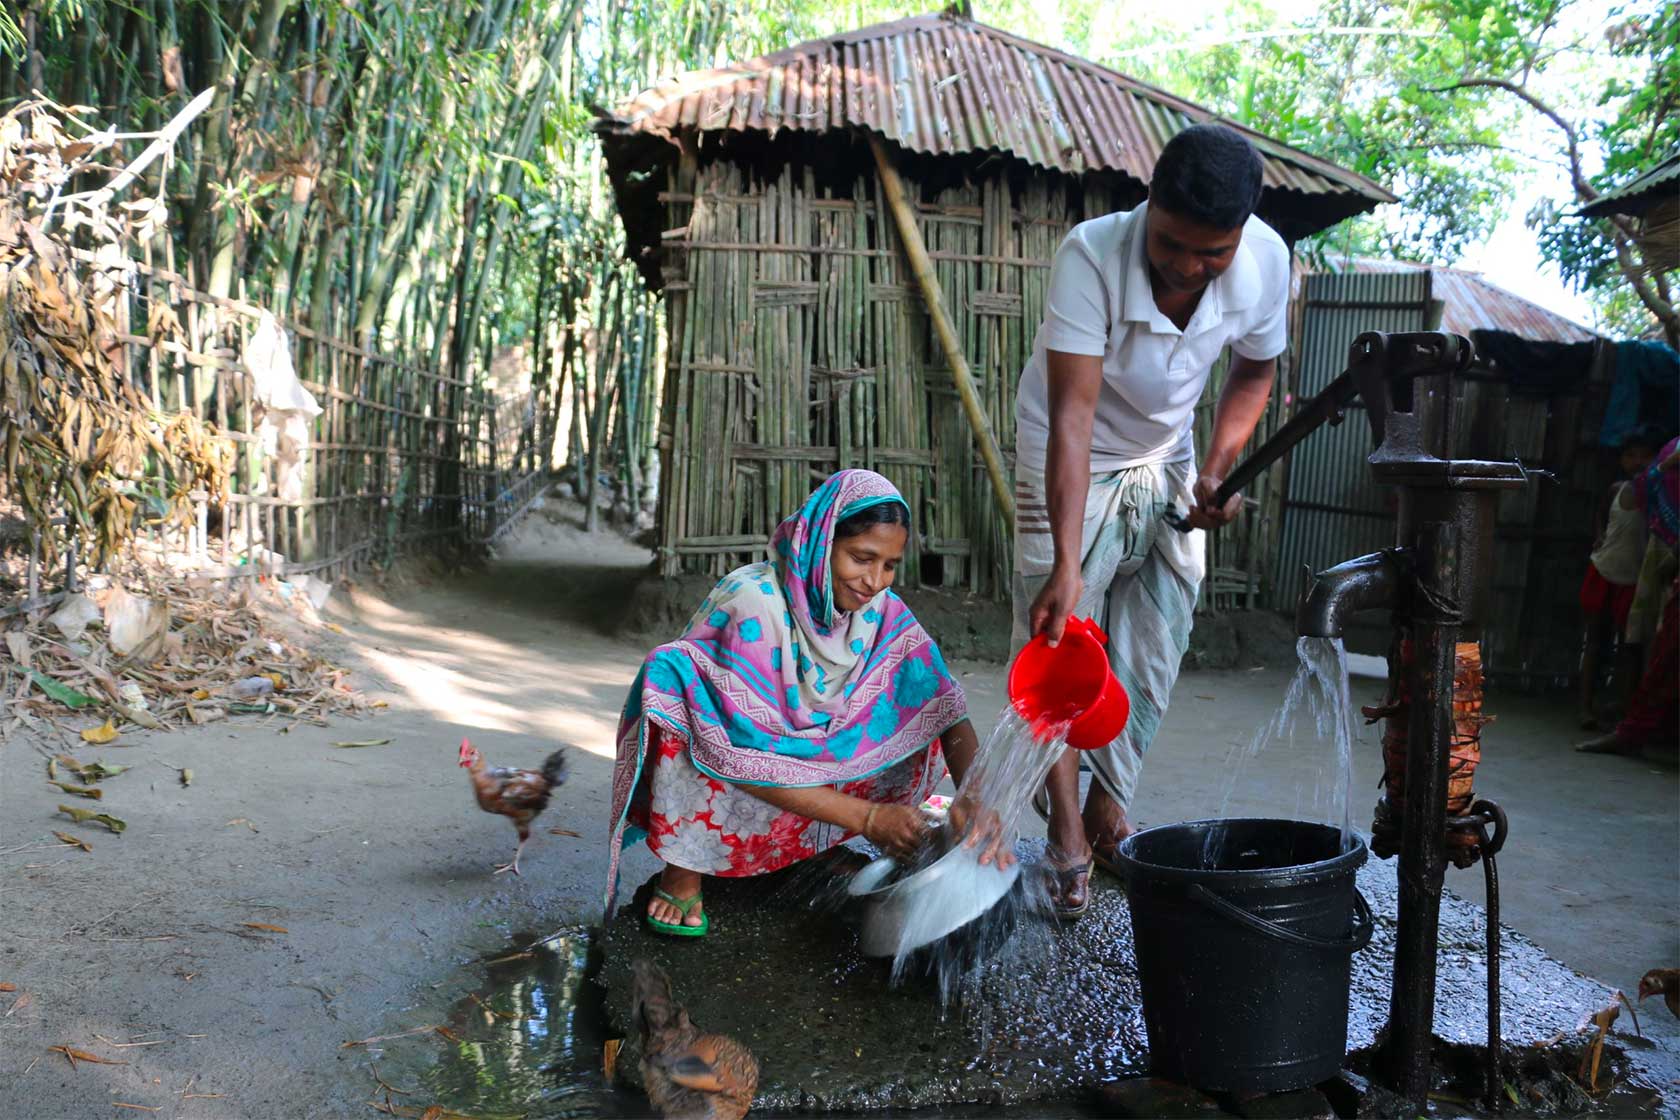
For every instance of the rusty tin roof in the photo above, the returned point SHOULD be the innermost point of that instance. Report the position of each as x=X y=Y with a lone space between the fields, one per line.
x=1472 y=302
x=946 y=85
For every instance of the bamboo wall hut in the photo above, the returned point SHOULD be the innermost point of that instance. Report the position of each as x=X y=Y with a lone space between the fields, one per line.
x=798 y=340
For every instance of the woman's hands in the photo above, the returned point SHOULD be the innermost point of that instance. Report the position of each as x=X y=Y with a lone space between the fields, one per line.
x=897 y=830
x=977 y=826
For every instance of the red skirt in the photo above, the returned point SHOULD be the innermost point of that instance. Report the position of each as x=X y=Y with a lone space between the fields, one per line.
x=1600 y=596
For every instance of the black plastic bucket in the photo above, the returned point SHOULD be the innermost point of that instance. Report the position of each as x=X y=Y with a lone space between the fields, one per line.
x=1245 y=934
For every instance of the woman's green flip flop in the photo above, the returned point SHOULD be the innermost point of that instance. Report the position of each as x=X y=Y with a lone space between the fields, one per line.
x=678 y=929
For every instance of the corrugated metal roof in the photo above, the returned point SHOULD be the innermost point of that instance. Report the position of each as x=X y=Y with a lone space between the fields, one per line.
x=945 y=85
x=1638 y=194
x=1474 y=303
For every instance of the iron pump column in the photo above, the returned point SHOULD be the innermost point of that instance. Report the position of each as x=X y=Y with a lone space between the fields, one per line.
x=1437 y=581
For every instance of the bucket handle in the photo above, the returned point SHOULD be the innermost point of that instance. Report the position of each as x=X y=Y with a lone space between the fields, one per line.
x=1357 y=940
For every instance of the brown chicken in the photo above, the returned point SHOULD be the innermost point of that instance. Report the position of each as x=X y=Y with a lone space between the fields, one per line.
x=518 y=795
x=1666 y=981
x=689 y=1075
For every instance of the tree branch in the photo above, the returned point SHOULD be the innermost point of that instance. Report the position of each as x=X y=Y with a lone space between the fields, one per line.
x=1648 y=295
x=1583 y=189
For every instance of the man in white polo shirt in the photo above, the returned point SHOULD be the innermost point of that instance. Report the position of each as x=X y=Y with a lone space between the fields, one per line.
x=1140 y=306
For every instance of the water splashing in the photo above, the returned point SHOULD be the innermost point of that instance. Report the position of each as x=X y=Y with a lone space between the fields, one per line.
x=945 y=914
x=1321 y=682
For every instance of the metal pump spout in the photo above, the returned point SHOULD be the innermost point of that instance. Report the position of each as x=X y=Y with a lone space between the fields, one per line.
x=1338 y=593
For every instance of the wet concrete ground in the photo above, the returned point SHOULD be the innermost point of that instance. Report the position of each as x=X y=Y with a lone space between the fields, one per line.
x=377 y=864
x=1058 y=1016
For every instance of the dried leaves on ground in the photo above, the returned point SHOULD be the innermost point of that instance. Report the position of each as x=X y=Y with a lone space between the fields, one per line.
x=223 y=649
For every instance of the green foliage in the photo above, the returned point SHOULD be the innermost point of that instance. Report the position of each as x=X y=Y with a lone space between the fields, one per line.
x=1634 y=123
x=1362 y=83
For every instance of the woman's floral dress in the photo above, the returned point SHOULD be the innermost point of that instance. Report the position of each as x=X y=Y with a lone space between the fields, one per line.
x=699 y=823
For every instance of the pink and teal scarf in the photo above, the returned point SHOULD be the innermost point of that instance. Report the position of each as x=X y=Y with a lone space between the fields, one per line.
x=771 y=685
x=1658 y=493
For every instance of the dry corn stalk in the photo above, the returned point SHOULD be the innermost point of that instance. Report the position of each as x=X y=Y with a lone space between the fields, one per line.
x=77 y=438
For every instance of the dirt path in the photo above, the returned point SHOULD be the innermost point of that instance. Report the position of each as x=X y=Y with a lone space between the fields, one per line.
x=376 y=863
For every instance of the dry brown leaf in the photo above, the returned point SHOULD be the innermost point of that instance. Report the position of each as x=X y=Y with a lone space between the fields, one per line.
x=565 y=832
x=83 y=816
x=433 y=1113
x=493 y=1011
x=101 y=735
x=609 y=1058
x=266 y=926
x=447 y=1035
x=20 y=1003
x=8 y=987
x=88 y=792
x=73 y=1055
x=1594 y=1054
x=74 y=841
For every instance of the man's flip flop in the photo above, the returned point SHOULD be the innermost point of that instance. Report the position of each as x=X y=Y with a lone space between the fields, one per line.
x=1068 y=880
x=679 y=929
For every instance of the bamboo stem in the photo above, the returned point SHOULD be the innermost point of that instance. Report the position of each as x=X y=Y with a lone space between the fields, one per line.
x=893 y=187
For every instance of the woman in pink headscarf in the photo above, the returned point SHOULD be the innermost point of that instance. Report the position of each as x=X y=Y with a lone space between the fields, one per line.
x=802 y=705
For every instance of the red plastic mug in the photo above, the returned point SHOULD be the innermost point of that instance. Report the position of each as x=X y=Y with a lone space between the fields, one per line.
x=1072 y=681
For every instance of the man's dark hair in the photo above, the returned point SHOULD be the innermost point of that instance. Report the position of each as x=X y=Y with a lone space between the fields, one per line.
x=1209 y=174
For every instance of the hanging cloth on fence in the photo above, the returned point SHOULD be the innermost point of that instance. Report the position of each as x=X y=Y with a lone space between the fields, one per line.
x=1646 y=389
x=288 y=408
x=1537 y=369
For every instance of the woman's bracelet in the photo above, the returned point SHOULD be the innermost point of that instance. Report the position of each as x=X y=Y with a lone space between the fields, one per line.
x=869 y=819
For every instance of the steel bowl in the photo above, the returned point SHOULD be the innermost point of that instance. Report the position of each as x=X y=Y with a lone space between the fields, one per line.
x=907 y=909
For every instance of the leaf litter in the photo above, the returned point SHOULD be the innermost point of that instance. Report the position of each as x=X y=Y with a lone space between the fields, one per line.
x=73 y=1055
x=215 y=637
x=88 y=816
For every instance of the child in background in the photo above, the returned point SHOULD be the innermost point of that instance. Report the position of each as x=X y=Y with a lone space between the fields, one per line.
x=1612 y=573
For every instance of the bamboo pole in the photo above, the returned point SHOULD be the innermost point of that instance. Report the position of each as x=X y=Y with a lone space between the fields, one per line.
x=893 y=187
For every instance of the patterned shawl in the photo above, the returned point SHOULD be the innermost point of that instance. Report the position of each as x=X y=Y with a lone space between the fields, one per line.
x=1658 y=493
x=771 y=685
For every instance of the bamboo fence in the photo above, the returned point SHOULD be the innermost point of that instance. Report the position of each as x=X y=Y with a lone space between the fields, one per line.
x=799 y=344
x=402 y=457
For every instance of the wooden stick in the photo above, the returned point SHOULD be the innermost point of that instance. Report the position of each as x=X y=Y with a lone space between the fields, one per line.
x=893 y=188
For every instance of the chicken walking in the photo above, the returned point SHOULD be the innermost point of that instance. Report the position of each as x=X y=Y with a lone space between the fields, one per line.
x=518 y=795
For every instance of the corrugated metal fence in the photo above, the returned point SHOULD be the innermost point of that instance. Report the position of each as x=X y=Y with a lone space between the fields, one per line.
x=1332 y=509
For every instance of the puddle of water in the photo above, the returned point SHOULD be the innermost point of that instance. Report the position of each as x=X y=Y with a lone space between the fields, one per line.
x=529 y=1044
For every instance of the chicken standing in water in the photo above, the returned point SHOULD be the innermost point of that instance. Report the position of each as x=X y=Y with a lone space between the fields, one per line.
x=516 y=794
x=689 y=1075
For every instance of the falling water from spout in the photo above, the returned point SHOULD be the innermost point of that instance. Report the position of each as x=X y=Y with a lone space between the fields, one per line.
x=1320 y=682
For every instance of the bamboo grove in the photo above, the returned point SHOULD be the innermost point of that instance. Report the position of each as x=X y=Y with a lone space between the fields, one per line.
x=414 y=180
